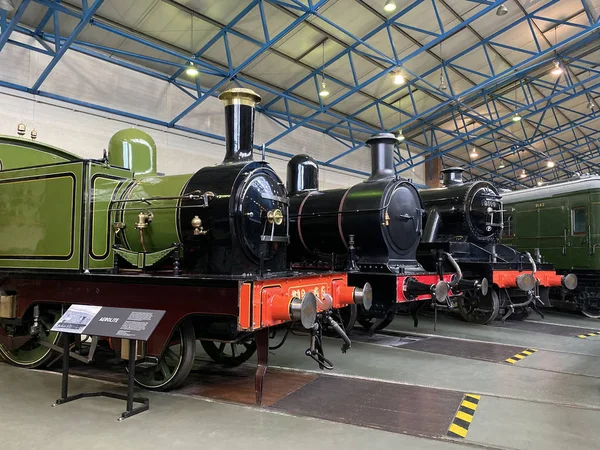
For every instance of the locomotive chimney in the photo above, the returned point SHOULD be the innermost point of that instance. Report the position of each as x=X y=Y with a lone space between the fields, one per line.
x=452 y=176
x=302 y=174
x=239 y=123
x=382 y=156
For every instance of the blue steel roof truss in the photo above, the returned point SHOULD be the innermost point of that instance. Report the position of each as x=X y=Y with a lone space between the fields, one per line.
x=477 y=115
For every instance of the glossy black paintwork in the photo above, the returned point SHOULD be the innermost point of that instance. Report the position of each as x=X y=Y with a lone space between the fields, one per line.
x=302 y=174
x=232 y=243
x=239 y=133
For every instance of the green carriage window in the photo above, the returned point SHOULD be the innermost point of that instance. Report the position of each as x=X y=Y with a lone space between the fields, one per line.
x=578 y=220
x=508 y=225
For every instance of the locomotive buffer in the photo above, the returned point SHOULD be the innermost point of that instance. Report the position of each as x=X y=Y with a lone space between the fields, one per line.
x=133 y=326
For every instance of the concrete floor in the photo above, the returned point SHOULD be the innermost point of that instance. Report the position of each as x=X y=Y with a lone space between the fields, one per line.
x=549 y=400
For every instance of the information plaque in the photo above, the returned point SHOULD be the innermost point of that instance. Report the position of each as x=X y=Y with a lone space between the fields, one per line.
x=123 y=323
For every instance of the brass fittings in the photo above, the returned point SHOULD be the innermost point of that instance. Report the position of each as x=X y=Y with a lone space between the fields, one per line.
x=197 y=225
x=144 y=218
x=275 y=216
x=118 y=226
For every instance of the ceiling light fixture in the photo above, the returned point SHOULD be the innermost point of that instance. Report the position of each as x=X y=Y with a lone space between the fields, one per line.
x=323 y=92
x=7 y=5
x=523 y=174
x=400 y=136
x=550 y=164
x=191 y=69
x=501 y=166
x=591 y=104
x=398 y=79
x=442 y=87
x=558 y=70
x=502 y=10
x=474 y=153
x=390 y=5
x=540 y=182
x=516 y=117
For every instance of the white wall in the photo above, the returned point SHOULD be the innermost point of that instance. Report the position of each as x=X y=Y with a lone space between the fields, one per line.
x=86 y=132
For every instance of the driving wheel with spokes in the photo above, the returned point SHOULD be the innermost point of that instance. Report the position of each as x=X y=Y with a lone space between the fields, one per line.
x=230 y=353
x=476 y=308
x=33 y=354
x=175 y=363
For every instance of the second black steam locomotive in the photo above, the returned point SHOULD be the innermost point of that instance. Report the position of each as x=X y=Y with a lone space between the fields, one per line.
x=465 y=219
x=372 y=230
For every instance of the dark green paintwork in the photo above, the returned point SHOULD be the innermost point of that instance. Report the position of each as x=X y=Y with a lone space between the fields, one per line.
x=546 y=223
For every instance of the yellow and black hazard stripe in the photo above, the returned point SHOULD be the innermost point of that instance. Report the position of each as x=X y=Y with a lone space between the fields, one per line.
x=583 y=336
x=519 y=356
x=464 y=416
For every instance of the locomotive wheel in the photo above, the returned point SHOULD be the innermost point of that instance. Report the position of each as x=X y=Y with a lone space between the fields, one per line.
x=230 y=354
x=477 y=308
x=175 y=363
x=346 y=317
x=33 y=354
x=366 y=320
x=591 y=307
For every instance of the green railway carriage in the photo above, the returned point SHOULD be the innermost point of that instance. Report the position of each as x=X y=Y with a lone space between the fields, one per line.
x=562 y=222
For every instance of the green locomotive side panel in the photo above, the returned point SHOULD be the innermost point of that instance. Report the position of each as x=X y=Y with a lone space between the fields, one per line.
x=107 y=185
x=41 y=217
x=16 y=153
x=161 y=232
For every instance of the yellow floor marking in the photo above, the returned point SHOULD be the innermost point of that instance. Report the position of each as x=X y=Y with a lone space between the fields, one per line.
x=464 y=416
x=458 y=430
x=478 y=397
x=468 y=404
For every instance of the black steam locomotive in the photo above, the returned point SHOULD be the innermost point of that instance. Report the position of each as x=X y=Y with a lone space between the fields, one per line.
x=465 y=220
x=372 y=230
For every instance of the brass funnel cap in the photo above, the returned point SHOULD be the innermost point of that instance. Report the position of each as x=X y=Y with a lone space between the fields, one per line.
x=240 y=96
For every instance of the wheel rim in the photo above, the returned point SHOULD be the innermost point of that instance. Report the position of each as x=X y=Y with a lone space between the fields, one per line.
x=366 y=320
x=230 y=353
x=33 y=353
x=591 y=307
x=346 y=317
x=477 y=308
x=167 y=367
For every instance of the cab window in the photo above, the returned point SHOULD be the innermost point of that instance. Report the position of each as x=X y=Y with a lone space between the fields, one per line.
x=578 y=220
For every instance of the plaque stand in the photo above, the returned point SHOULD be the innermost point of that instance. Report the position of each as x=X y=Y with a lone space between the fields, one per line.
x=131 y=411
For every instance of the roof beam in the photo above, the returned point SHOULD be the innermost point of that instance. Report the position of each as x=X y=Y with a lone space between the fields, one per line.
x=88 y=13
x=6 y=32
